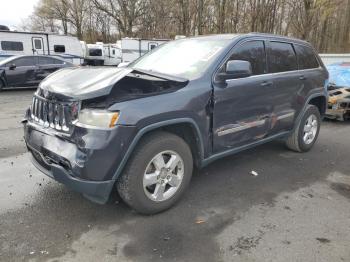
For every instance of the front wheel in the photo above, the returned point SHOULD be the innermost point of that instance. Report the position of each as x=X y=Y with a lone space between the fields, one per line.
x=157 y=174
x=305 y=134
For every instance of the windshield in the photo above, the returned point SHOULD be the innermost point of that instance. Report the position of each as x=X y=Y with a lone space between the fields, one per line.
x=3 y=62
x=187 y=58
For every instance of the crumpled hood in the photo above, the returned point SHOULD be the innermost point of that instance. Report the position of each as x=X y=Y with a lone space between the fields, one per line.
x=83 y=82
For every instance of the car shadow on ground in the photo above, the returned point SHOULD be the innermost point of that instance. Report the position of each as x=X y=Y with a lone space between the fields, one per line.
x=218 y=195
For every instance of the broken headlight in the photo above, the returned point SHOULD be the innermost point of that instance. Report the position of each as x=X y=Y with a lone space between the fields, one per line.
x=97 y=118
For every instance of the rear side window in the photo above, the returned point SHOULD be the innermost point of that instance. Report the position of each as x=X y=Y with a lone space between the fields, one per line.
x=59 y=48
x=11 y=46
x=306 y=57
x=46 y=60
x=253 y=52
x=281 y=57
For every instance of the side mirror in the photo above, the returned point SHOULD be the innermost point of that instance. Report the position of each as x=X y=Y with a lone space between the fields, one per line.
x=238 y=69
x=12 y=67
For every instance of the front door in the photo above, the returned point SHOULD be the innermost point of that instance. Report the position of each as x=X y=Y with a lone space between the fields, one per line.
x=242 y=107
x=21 y=71
x=38 y=46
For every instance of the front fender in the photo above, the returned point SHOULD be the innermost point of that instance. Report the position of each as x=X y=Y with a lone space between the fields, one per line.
x=155 y=126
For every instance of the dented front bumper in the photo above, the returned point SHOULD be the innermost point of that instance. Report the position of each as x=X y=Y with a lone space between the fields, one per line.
x=86 y=161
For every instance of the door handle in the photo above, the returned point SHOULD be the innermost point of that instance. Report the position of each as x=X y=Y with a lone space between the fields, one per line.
x=302 y=77
x=266 y=83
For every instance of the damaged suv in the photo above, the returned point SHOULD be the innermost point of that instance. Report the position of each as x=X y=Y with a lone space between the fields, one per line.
x=142 y=129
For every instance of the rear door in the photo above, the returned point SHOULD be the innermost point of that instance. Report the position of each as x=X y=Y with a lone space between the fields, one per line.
x=242 y=107
x=283 y=68
x=46 y=66
x=24 y=72
x=312 y=75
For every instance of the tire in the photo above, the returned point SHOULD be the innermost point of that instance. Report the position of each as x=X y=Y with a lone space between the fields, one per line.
x=2 y=85
x=131 y=184
x=296 y=141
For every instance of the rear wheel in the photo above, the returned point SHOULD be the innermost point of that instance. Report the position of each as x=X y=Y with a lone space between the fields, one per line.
x=157 y=174
x=305 y=134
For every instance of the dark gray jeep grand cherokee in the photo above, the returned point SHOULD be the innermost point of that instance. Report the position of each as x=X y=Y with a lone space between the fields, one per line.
x=142 y=129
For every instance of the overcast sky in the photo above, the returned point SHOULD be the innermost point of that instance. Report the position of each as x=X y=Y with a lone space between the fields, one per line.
x=14 y=11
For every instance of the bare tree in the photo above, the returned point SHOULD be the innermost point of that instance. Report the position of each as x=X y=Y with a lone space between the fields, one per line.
x=325 y=23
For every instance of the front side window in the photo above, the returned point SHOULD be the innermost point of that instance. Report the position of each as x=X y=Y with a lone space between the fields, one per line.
x=24 y=61
x=11 y=46
x=281 y=57
x=253 y=52
x=187 y=58
x=306 y=57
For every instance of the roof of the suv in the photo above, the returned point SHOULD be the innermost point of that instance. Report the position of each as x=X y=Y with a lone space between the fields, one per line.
x=253 y=34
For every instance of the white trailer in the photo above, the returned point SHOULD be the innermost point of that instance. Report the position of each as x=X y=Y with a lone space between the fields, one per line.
x=103 y=54
x=95 y=55
x=133 y=48
x=37 y=43
x=112 y=54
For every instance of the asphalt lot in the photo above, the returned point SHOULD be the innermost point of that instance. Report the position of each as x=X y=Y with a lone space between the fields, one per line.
x=296 y=209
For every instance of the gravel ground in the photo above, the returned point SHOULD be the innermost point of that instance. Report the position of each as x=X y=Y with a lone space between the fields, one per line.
x=296 y=209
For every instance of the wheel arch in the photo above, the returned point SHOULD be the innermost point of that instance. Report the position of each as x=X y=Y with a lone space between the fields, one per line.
x=316 y=99
x=186 y=128
x=320 y=102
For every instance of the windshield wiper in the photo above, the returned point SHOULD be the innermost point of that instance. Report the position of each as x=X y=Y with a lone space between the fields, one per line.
x=160 y=75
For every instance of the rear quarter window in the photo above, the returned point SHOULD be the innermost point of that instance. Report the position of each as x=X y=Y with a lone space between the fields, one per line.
x=281 y=57
x=306 y=57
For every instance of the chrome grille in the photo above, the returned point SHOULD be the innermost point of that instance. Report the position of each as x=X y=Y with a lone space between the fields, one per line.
x=53 y=114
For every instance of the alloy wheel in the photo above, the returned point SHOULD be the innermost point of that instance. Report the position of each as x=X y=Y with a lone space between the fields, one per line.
x=163 y=176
